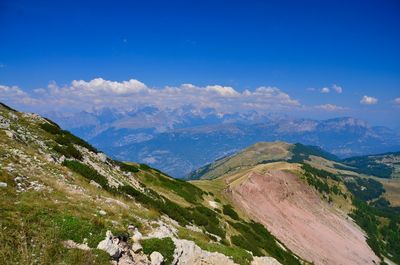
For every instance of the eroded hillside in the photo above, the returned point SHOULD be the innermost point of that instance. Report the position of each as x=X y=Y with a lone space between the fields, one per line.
x=319 y=208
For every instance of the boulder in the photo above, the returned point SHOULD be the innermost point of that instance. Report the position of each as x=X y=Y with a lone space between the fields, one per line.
x=136 y=247
x=110 y=246
x=126 y=260
x=140 y=259
x=3 y=185
x=187 y=252
x=156 y=258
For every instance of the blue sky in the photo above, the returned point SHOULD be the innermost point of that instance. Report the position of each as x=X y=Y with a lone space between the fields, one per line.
x=299 y=47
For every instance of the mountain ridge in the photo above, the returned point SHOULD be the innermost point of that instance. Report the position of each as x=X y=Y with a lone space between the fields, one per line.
x=173 y=139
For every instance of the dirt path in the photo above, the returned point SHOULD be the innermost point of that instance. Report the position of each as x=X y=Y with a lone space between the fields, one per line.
x=295 y=214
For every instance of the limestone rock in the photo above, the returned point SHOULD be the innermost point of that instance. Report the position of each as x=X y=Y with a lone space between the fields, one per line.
x=94 y=183
x=156 y=258
x=187 y=252
x=136 y=247
x=110 y=246
x=140 y=259
x=126 y=260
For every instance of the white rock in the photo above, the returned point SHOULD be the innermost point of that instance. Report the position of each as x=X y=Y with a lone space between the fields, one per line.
x=9 y=134
x=126 y=260
x=187 y=252
x=3 y=185
x=156 y=258
x=109 y=246
x=213 y=204
x=137 y=236
x=136 y=247
x=94 y=183
x=102 y=157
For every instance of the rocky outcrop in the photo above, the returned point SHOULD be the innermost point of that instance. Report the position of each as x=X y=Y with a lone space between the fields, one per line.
x=110 y=245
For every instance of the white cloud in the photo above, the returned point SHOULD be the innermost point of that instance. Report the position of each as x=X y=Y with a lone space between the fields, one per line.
x=367 y=100
x=98 y=93
x=338 y=89
x=330 y=107
x=223 y=90
x=325 y=90
x=99 y=84
x=397 y=101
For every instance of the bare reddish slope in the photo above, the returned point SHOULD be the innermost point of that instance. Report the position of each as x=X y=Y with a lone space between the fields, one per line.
x=296 y=215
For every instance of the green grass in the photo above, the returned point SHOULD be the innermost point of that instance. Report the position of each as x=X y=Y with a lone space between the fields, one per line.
x=186 y=190
x=237 y=254
x=33 y=227
x=64 y=137
x=165 y=246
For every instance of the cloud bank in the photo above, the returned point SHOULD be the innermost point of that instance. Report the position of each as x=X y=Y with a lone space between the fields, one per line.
x=99 y=93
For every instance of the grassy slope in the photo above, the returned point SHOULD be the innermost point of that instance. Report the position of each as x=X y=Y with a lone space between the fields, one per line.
x=58 y=203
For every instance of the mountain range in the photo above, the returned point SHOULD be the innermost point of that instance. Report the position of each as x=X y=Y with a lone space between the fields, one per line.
x=65 y=202
x=181 y=140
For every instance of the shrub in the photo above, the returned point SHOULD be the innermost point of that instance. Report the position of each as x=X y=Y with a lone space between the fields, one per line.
x=229 y=211
x=186 y=190
x=68 y=151
x=165 y=246
x=256 y=238
x=51 y=128
x=65 y=137
x=144 y=167
x=87 y=172
x=127 y=167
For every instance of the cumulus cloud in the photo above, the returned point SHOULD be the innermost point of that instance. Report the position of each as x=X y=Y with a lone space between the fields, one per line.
x=101 y=85
x=367 y=100
x=16 y=95
x=330 y=107
x=325 y=90
x=98 y=93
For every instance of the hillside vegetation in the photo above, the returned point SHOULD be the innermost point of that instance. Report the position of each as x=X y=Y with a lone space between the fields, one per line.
x=57 y=188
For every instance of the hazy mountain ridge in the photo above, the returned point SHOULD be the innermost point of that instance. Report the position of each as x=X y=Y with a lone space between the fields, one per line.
x=175 y=140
